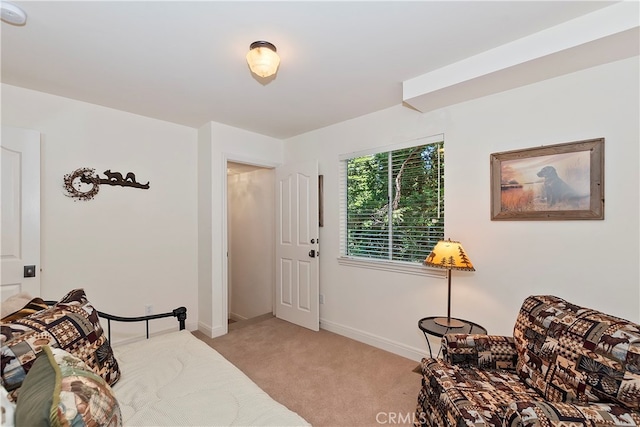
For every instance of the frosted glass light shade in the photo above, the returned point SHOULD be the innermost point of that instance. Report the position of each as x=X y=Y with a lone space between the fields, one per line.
x=263 y=59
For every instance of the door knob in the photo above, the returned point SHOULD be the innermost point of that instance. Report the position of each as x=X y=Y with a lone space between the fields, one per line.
x=312 y=253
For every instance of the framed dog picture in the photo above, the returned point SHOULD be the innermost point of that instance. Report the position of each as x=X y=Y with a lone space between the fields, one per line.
x=553 y=182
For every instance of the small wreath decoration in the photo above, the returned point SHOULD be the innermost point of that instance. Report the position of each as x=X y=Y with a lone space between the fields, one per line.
x=73 y=184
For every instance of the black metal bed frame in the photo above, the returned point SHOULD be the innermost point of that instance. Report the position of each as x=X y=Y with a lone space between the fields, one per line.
x=180 y=313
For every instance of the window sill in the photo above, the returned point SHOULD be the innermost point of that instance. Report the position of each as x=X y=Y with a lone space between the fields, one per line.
x=395 y=267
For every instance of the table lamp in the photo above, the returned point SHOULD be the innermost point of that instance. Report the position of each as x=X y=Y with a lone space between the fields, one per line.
x=450 y=255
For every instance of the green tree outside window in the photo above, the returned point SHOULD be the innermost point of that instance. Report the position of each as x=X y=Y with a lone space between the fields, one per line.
x=395 y=203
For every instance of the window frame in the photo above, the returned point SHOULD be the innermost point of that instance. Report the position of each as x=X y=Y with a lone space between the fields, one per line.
x=375 y=263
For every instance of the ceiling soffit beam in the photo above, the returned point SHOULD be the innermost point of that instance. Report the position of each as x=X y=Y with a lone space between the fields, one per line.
x=603 y=36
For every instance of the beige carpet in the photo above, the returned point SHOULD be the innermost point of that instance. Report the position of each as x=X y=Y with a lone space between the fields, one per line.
x=328 y=379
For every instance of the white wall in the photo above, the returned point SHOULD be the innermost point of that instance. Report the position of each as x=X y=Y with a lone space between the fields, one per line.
x=127 y=247
x=251 y=240
x=217 y=144
x=593 y=263
x=130 y=247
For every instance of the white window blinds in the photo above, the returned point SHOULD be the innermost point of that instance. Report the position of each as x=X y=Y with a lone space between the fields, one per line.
x=392 y=201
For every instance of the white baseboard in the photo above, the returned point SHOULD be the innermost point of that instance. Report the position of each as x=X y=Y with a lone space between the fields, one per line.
x=191 y=326
x=210 y=331
x=391 y=346
x=205 y=329
x=237 y=317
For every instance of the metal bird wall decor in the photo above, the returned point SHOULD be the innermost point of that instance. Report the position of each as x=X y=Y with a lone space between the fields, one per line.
x=84 y=183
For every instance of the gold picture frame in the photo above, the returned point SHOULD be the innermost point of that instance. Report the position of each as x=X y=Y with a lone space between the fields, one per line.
x=554 y=182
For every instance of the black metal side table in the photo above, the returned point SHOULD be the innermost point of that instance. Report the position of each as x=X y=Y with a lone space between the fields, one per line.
x=429 y=326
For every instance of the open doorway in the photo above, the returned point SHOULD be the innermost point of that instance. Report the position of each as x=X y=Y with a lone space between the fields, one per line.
x=250 y=237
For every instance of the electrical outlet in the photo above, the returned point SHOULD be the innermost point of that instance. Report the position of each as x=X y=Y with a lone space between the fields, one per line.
x=321 y=299
x=148 y=309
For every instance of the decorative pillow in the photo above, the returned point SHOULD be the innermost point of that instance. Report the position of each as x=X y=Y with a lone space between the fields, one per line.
x=61 y=391
x=13 y=303
x=33 y=306
x=71 y=324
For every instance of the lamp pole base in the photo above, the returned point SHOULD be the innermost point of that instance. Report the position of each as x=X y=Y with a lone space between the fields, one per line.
x=447 y=322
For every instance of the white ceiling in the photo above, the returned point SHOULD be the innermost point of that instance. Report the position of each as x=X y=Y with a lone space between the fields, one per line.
x=184 y=61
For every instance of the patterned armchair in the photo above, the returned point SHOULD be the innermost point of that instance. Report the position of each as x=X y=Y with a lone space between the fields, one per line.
x=565 y=365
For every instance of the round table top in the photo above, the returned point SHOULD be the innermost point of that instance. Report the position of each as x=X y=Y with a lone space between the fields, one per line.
x=431 y=327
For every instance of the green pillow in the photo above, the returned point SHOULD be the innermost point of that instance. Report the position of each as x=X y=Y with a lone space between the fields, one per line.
x=61 y=390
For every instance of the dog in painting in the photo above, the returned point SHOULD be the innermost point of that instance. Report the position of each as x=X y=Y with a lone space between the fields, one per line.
x=555 y=189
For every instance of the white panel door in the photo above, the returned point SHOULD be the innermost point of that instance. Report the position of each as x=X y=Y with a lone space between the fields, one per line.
x=297 y=279
x=20 y=210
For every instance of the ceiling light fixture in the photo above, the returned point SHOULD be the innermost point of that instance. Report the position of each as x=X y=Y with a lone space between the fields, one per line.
x=263 y=59
x=12 y=14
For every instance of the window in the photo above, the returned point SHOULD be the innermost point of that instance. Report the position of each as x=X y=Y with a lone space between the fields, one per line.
x=392 y=202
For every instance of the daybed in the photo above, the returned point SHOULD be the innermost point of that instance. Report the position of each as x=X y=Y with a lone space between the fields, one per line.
x=565 y=365
x=60 y=368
